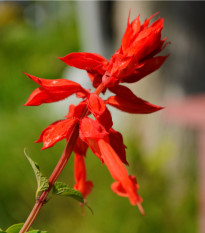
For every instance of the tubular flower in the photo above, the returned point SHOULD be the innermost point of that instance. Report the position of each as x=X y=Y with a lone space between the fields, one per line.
x=135 y=59
x=81 y=184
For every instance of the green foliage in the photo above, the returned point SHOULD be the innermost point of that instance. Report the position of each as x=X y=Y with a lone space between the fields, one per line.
x=42 y=181
x=62 y=189
x=59 y=188
x=27 y=48
x=17 y=227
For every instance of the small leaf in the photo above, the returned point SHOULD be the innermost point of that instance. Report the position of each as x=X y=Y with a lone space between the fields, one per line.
x=42 y=181
x=15 y=228
x=61 y=188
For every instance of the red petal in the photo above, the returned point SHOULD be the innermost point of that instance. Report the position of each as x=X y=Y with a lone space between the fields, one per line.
x=118 y=189
x=126 y=101
x=147 y=68
x=95 y=104
x=116 y=141
x=56 y=132
x=147 y=41
x=40 y=96
x=146 y=22
x=119 y=173
x=91 y=129
x=130 y=33
x=80 y=147
x=52 y=90
x=90 y=132
x=106 y=119
x=55 y=84
x=98 y=108
x=85 y=187
x=91 y=62
x=76 y=111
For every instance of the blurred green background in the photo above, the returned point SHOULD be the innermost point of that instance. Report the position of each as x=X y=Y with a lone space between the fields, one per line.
x=168 y=184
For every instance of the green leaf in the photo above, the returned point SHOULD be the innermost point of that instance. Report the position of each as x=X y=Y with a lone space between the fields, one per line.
x=15 y=228
x=2 y=231
x=61 y=188
x=42 y=181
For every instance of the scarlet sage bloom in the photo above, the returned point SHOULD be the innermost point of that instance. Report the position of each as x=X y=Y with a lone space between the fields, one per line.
x=136 y=58
x=81 y=184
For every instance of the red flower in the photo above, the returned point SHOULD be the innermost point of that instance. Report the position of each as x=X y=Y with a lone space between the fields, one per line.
x=85 y=187
x=135 y=59
x=97 y=138
x=81 y=184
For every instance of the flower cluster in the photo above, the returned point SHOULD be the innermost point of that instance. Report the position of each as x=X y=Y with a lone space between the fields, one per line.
x=135 y=59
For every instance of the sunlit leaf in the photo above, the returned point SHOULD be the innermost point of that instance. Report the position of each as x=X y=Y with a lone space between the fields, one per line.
x=15 y=228
x=62 y=189
x=42 y=181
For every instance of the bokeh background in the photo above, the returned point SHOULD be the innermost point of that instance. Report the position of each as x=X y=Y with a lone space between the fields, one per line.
x=162 y=153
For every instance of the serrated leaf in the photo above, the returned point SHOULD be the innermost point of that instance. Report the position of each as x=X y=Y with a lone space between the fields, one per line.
x=61 y=188
x=42 y=181
x=15 y=228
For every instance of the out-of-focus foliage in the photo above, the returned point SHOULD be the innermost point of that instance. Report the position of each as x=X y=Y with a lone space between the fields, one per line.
x=169 y=191
x=32 y=46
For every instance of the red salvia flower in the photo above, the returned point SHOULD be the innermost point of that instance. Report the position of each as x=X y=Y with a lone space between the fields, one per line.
x=135 y=59
x=81 y=184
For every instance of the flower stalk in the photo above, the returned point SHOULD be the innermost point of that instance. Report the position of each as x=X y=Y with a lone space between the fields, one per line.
x=135 y=59
x=57 y=170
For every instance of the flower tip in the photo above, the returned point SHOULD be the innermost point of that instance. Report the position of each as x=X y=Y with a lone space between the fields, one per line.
x=27 y=104
x=25 y=74
x=141 y=209
x=37 y=141
x=161 y=108
x=61 y=58
x=44 y=147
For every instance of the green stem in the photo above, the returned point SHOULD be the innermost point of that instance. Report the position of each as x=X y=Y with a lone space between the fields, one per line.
x=57 y=171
